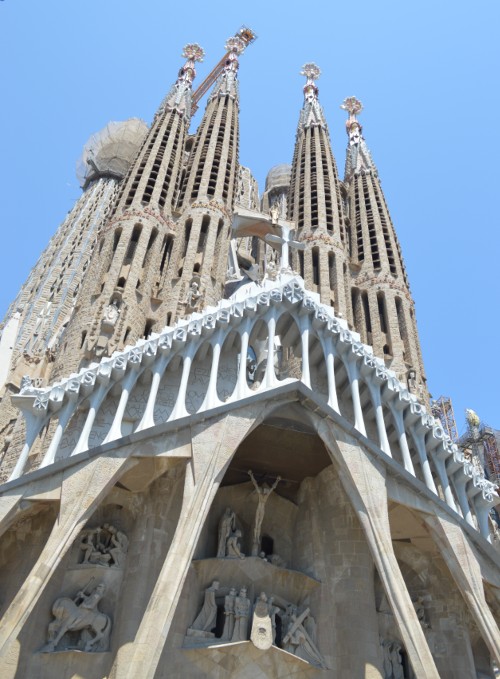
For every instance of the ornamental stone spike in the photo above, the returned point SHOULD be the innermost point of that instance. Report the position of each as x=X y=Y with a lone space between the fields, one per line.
x=312 y=72
x=193 y=53
x=353 y=106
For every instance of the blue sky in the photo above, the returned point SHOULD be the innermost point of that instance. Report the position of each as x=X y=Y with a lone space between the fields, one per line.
x=426 y=72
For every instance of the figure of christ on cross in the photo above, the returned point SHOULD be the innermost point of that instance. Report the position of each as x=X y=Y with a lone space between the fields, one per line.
x=263 y=493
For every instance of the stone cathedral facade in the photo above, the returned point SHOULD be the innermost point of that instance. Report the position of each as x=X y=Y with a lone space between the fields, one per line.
x=217 y=455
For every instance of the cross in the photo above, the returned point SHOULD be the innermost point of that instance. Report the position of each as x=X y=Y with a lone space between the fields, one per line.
x=286 y=241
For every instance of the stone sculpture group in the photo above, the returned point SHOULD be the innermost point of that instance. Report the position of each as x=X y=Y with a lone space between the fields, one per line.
x=229 y=537
x=258 y=622
x=80 y=614
x=104 y=546
x=393 y=662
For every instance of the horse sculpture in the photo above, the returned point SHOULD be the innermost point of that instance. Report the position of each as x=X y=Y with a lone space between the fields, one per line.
x=72 y=617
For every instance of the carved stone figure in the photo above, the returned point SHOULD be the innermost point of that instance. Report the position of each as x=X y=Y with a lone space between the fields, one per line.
x=387 y=662
x=274 y=212
x=229 y=601
x=273 y=610
x=418 y=604
x=233 y=550
x=397 y=662
x=226 y=525
x=119 y=547
x=241 y=614
x=262 y=628
x=194 y=296
x=80 y=614
x=111 y=313
x=26 y=382
x=205 y=620
x=298 y=641
x=104 y=546
x=263 y=493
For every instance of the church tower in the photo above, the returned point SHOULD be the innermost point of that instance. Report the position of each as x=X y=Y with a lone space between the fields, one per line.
x=234 y=493
x=315 y=203
x=122 y=299
x=382 y=305
x=198 y=266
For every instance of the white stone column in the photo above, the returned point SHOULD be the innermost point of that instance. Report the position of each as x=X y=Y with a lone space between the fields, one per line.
x=304 y=340
x=460 y=480
x=179 y=410
x=64 y=417
x=128 y=382
x=34 y=425
x=269 y=380
x=211 y=399
x=374 y=390
x=397 y=415
x=419 y=439
x=242 y=389
x=353 y=374
x=95 y=403
x=159 y=368
x=445 y=483
x=330 y=353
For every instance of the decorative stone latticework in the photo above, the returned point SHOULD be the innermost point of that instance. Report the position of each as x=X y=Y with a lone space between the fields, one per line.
x=342 y=371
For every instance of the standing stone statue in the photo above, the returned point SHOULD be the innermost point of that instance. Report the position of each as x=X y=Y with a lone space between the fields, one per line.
x=229 y=601
x=262 y=629
x=387 y=662
x=263 y=493
x=226 y=525
x=206 y=618
x=241 y=614
x=273 y=610
x=397 y=662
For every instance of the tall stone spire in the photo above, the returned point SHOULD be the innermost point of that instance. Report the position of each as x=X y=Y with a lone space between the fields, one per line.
x=121 y=299
x=315 y=202
x=198 y=264
x=383 y=311
x=153 y=180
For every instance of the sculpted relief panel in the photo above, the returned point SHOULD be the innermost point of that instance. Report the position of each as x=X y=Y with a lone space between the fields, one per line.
x=82 y=620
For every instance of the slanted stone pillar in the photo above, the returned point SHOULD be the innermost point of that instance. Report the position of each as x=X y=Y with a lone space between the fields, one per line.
x=82 y=488
x=213 y=446
x=465 y=569
x=364 y=481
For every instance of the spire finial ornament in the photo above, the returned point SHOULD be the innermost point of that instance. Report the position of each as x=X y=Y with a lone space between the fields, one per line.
x=234 y=46
x=193 y=53
x=353 y=106
x=312 y=73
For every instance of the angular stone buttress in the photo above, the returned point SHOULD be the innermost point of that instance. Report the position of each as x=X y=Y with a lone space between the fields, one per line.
x=230 y=472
